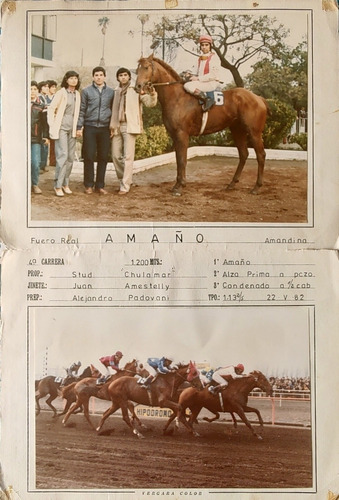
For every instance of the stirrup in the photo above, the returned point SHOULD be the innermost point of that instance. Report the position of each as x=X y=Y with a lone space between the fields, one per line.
x=207 y=104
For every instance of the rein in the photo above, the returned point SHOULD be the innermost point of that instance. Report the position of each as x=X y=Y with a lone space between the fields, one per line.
x=162 y=83
x=150 y=84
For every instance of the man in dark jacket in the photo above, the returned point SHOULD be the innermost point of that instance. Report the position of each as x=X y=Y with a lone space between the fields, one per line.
x=93 y=126
x=39 y=135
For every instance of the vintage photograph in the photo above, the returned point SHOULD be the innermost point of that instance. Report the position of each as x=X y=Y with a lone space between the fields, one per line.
x=239 y=380
x=170 y=116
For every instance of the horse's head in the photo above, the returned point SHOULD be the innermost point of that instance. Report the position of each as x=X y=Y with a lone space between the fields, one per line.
x=262 y=382
x=193 y=376
x=87 y=372
x=145 y=74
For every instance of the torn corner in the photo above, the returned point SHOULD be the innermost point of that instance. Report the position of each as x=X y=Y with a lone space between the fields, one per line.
x=8 y=7
x=329 y=5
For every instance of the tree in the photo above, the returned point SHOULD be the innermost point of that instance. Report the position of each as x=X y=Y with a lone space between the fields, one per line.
x=103 y=24
x=284 y=79
x=237 y=39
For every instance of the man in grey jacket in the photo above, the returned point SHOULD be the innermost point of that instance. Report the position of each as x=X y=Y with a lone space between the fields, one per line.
x=93 y=127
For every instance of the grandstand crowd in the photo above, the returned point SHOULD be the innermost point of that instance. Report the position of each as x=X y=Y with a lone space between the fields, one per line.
x=290 y=383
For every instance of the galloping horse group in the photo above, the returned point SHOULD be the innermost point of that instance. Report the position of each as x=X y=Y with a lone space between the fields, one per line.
x=51 y=385
x=163 y=393
x=242 y=111
x=88 y=387
x=232 y=400
x=167 y=391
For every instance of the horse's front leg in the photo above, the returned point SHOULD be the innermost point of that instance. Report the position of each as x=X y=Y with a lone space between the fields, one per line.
x=113 y=408
x=240 y=411
x=49 y=402
x=249 y=409
x=38 y=409
x=179 y=413
x=180 y=145
x=168 y=423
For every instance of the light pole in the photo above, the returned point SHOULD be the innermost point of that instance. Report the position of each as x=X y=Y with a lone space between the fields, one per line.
x=143 y=18
x=103 y=23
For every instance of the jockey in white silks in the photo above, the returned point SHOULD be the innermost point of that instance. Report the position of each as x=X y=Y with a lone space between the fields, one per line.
x=207 y=76
x=231 y=371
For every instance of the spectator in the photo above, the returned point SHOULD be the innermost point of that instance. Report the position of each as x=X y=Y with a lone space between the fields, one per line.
x=63 y=114
x=43 y=96
x=93 y=126
x=39 y=135
x=52 y=86
x=126 y=124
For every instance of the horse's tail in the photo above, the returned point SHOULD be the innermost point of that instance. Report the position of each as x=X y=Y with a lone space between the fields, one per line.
x=268 y=110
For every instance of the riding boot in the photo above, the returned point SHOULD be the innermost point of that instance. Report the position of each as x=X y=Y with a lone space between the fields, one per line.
x=207 y=100
x=214 y=389
x=148 y=381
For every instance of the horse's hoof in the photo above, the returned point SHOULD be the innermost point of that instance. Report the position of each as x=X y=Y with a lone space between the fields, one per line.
x=196 y=434
x=230 y=187
x=176 y=193
x=259 y=437
x=140 y=436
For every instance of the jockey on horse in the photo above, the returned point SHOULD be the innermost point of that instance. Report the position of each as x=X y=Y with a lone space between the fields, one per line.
x=207 y=74
x=230 y=371
x=72 y=371
x=155 y=366
x=111 y=363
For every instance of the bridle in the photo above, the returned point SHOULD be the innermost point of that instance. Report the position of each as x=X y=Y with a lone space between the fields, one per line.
x=149 y=85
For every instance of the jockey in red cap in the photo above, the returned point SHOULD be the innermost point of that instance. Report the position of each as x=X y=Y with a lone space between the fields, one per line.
x=231 y=370
x=111 y=363
x=207 y=75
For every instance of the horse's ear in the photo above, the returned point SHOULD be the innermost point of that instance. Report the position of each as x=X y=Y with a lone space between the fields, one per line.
x=151 y=57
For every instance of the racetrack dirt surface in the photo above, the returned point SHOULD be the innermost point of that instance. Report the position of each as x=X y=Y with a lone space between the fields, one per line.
x=76 y=457
x=282 y=198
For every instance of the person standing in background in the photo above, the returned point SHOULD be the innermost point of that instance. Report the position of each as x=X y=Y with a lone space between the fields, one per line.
x=52 y=86
x=44 y=98
x=39 y=135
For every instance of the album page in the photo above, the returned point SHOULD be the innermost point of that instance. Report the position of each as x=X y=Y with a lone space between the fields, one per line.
x=169 y=235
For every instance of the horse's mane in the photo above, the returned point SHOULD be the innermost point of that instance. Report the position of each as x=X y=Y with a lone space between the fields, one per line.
x=166 y=66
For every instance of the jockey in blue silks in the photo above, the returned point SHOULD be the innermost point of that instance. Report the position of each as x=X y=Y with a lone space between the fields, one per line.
x=155 y=366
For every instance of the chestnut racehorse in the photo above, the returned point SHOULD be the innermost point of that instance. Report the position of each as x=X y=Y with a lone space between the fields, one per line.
x=233 y=399
x=242 y=111
x=48 y=385
x=88 y=387
x=163 y=393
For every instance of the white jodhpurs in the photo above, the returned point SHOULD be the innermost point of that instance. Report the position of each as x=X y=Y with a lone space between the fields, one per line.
x=191 y=87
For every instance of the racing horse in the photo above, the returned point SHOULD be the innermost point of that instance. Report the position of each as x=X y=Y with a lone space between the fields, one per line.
x=83 y=390
x=51 y=384
x=242 y=111
x=233 y=399
x=163 y=393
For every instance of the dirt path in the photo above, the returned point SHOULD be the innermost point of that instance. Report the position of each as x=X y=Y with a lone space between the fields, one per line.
x=283 y=197
x=76 y=457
